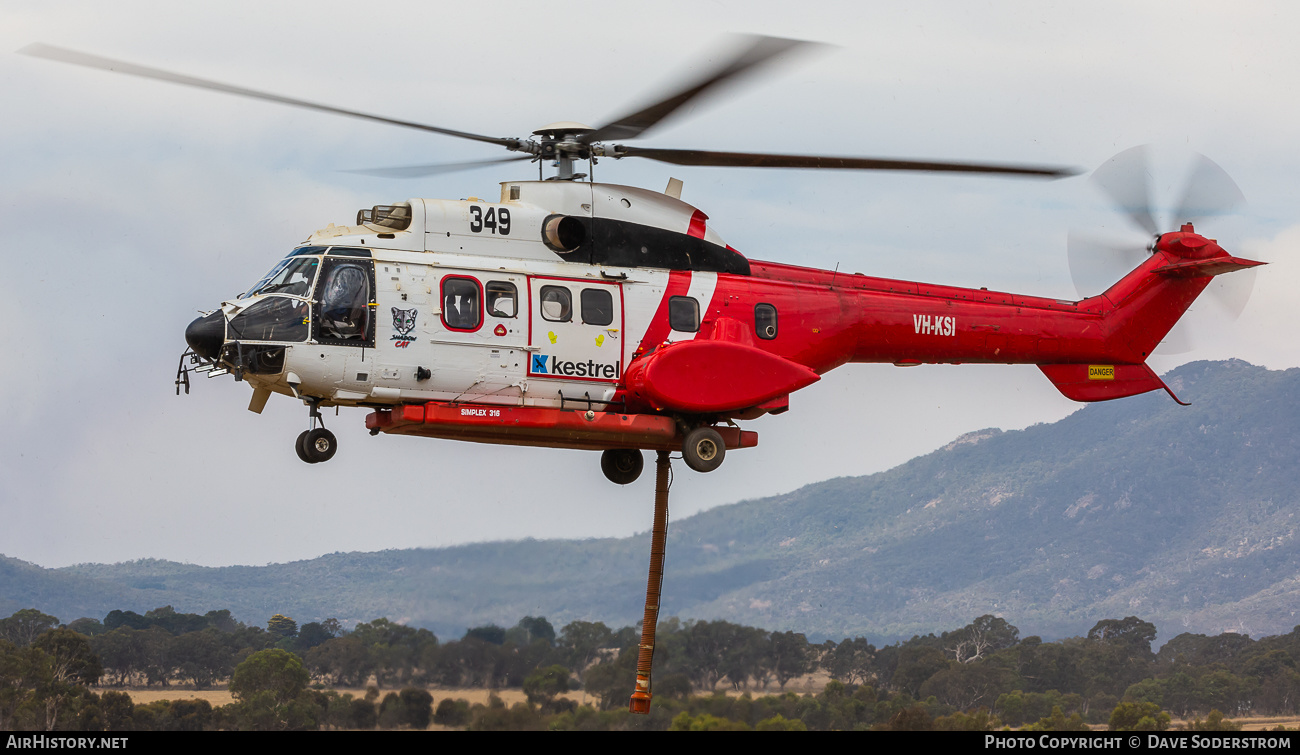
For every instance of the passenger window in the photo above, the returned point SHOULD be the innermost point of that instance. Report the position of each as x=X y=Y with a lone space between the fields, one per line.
x=460 y=304
x=684 y=314
x=502 y=299
x=557 y=304
x=597 y=306
x=344 y=303
x=765 y=321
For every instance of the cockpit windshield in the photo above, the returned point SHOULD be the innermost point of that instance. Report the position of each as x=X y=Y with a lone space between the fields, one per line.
x=292 y=276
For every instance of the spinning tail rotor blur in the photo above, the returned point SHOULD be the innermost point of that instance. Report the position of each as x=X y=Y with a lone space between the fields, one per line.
x=1098 y=261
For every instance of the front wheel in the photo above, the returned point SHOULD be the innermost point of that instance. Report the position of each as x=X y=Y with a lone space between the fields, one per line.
x=622 y=465
x=319 y=445
x=301 y=448
x=703 y=449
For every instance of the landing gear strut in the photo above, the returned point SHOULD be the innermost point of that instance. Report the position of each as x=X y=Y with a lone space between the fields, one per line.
x=316 y=444
x=640 y=702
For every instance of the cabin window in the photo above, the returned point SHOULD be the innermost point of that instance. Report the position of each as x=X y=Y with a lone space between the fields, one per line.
x=460 y=304
x=597 y=306
x=684 y=314
x=765 y=321
x=344 y=303
x=502 y=299
x=556 y=303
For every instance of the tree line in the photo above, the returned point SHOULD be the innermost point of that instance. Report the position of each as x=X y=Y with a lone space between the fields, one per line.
x=979 y=676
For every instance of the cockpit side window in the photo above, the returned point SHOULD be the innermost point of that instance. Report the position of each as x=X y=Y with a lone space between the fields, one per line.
x=344 y=303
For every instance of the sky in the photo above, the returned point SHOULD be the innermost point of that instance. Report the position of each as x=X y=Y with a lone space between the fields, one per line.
x=130 y=205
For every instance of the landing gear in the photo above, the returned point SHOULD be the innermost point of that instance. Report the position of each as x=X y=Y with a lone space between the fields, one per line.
x=316 y=444
x=622 y=465
x=703 y=449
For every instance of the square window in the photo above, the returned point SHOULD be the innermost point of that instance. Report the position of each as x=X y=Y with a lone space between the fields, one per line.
x=684 y=314
x=502 y=299
x=597 y=306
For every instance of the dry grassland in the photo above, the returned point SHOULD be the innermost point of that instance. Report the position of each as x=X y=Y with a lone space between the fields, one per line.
x=221 y=696
x=813 y=684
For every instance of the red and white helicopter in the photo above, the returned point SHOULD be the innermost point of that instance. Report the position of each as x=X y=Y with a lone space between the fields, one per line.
x=573 y=314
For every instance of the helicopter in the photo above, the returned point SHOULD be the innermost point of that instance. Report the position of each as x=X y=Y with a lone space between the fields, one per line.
x=573 y=314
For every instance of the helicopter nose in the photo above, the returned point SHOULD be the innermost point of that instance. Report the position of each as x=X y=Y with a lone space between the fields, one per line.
x=206 y=334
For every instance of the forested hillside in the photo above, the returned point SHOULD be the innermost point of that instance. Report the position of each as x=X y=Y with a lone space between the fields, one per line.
x=284 y=676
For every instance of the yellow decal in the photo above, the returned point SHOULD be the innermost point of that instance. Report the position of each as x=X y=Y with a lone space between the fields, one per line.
x=551 y=335
x=1101 y=372
x=600 y=340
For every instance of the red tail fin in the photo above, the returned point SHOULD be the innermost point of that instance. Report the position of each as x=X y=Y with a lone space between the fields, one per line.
x=1139 y=311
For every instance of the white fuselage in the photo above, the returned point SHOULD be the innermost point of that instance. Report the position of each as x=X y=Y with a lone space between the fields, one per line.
x=469 y=304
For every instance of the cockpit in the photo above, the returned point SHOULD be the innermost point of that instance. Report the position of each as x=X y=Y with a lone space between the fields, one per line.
x=316 y=292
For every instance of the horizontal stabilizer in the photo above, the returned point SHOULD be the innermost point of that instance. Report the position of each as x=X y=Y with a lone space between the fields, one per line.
x=1103 y=382
x=1212 y=266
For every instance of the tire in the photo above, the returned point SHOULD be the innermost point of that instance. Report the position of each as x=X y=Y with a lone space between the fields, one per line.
x=319 y=445
x=703 y=449
x=298 y=445
x=622 y=465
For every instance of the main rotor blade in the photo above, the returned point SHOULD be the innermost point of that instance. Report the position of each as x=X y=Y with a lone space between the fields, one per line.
x=1124 y=178
x=753 y=160
x=62 y=55
x=416 y=171
x=758 y=51
x=1210 y=191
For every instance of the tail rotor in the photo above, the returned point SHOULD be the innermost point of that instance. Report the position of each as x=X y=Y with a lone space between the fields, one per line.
x=1097 y=261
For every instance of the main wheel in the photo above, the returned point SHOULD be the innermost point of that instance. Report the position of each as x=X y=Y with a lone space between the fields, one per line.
x=703 y=449
x=298 y=445
x=319 y=445
x=622 y=465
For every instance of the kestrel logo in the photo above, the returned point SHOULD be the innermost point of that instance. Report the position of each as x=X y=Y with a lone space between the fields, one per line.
x=545 y=364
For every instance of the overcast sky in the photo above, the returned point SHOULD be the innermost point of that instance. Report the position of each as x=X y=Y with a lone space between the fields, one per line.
x=128 y=205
